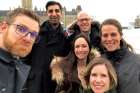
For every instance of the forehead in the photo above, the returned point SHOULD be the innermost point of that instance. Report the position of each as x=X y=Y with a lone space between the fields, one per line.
x=82 y=15
x=109 y=28
x=80 y=40
x=27 y=21
x=100 y=68
x=55 y=6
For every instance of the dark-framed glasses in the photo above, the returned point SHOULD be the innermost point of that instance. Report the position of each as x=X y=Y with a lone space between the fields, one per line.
x=84 y=19
x=24 y=31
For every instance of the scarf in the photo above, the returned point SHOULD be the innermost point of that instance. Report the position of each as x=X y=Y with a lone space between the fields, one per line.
x=117 y=55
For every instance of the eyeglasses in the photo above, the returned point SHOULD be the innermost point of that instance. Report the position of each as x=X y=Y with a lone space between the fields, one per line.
x=111 y=34
x=55 y=10
x=84 y=19
x=24 y=31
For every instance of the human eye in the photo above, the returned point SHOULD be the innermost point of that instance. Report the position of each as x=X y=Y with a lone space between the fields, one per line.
x=77 y=46
x=22 y=29
x=105 y=35
x=93 y=74
x=57 y=10
x=103 y=75
x=84 y=46
x=113 y=34
x=34 y=34
x=50 y=11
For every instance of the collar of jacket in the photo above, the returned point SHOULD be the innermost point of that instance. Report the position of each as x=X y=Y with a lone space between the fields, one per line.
x=6 y=56
x=117 y=55
x=47 y=27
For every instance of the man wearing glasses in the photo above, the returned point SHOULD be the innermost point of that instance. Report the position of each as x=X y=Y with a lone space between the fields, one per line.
x=84 y=24
x=19 y=30
x=52 y=42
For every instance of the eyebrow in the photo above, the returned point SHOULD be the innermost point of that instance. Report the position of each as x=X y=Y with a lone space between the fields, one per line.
x=27 y=27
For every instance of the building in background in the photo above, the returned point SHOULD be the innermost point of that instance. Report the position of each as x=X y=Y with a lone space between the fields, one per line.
x=67 y=18
x=70 y=16
x=26 y=4
x=137 y=22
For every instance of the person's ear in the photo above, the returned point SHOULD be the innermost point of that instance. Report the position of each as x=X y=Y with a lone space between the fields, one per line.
x=3 y=26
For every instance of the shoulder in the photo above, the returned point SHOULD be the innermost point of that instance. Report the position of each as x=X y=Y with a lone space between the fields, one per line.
x=95 y=27
x=95 y=24
x=135 y=58
x=44 y=24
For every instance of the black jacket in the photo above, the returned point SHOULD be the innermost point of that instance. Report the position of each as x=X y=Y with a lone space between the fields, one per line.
x=51 y=42
x=13 y=73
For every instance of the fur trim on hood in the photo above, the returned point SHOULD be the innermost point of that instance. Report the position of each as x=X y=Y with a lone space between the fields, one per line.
x=59 y=67
x=74 y=26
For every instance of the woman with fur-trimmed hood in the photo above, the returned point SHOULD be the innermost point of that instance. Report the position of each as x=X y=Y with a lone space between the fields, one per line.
x=68 y=71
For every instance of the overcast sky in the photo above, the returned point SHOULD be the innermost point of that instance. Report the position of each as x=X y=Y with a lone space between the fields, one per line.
x=123 y=10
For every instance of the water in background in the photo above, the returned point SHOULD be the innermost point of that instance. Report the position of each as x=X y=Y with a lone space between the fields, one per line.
x=132 y=36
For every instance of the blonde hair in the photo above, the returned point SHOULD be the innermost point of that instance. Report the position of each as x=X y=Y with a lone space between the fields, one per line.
x=10 y=17
x=101 y=61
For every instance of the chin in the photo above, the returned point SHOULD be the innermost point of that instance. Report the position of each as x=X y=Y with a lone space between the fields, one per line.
x=23 y=55
x=111 y=50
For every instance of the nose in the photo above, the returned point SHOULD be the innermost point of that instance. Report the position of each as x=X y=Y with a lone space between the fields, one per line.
x=53 y=13
x=109 y=37
x=27 y=37
x=98 y=79
x=80 y=48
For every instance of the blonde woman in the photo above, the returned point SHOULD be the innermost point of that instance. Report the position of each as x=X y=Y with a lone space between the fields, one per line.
x=100 y=76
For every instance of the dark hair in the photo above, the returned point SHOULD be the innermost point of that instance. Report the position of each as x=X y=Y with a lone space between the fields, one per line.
x=117 y=24
x=101 y=61
x=49 y=3
x=113 y=22
x=81 y=35
x=10 y=17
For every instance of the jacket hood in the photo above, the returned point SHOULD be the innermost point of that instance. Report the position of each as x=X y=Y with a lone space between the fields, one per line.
x=59 y=66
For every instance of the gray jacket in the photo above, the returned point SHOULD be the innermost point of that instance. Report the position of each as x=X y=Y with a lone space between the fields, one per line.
x=13 y=73
x=129 y=73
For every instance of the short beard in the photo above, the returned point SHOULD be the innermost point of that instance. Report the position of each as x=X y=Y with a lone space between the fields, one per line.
x=12 y=47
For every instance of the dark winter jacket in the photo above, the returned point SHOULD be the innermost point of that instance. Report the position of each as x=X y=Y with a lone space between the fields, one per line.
x=64 y=72
x=13 y=73
x=50 y=42
x=127 y=65
x=66 y=76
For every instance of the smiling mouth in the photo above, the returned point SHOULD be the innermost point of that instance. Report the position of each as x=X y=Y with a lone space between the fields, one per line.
x=98 y=86
x=109 y=44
